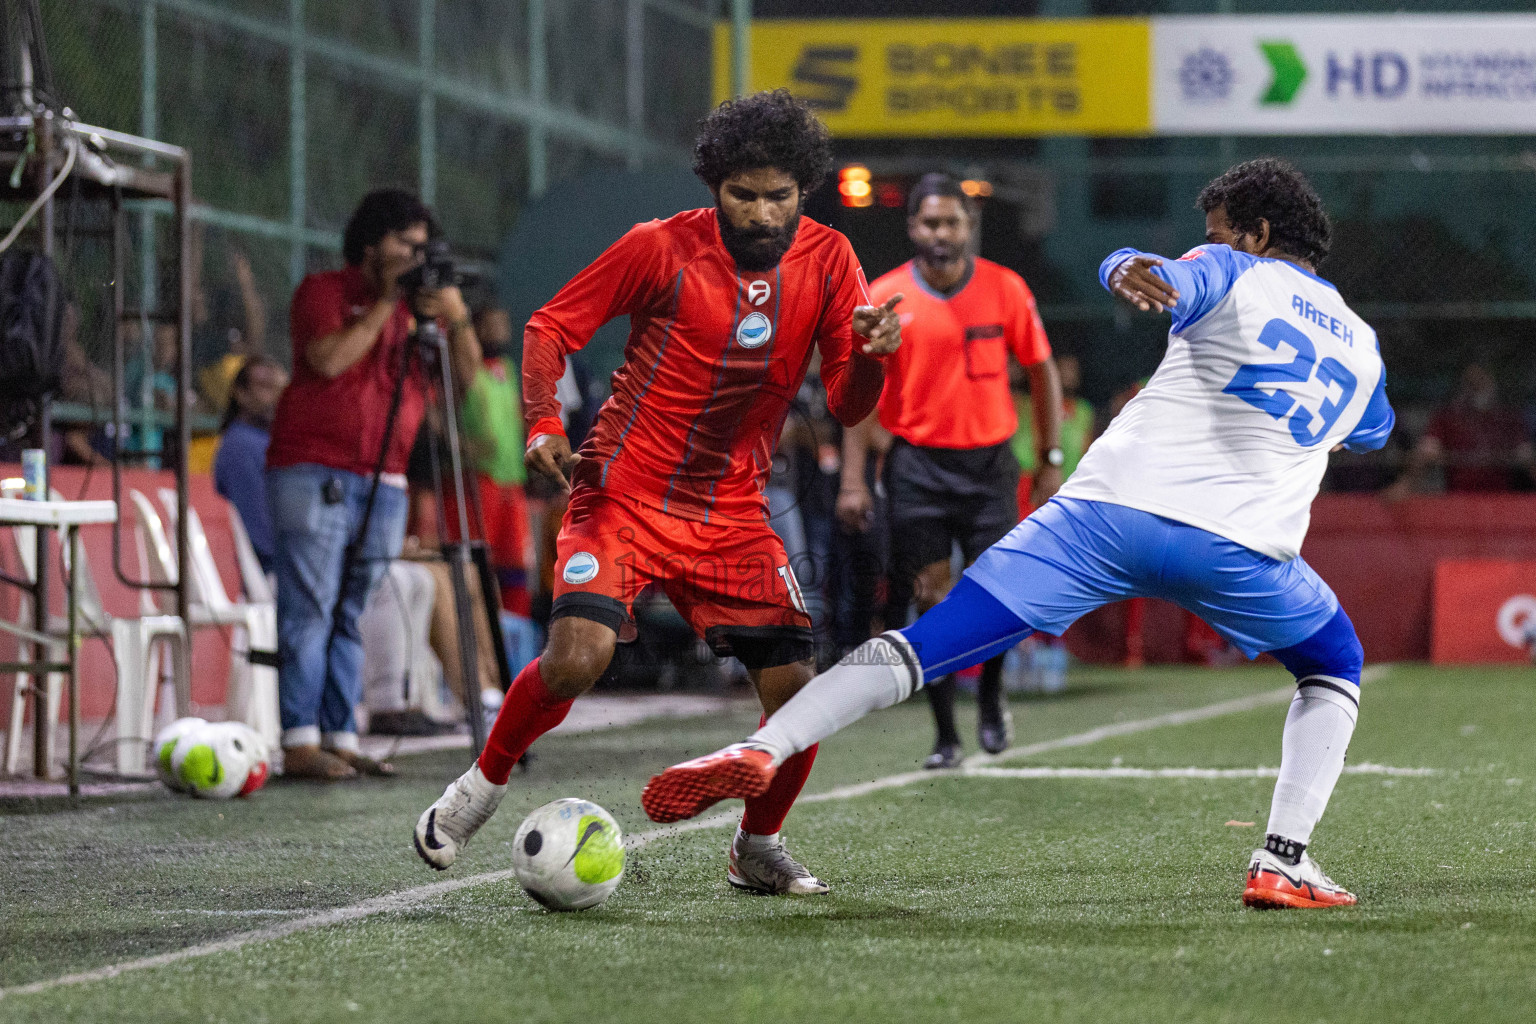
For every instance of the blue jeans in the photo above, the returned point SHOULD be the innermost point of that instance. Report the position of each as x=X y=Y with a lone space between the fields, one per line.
x=320 y=679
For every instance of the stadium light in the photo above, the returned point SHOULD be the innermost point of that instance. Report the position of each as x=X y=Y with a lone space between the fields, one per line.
x=853 y=186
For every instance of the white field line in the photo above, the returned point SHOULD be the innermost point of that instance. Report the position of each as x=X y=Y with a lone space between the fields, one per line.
x=408 y=899
x=1119 y=772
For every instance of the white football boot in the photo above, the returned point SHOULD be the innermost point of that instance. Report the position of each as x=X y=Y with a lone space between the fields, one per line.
x=446 y=827
x=1275 y=884
x=772 y=872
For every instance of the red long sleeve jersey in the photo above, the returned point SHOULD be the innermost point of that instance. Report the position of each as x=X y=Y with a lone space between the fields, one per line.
x=714 y=358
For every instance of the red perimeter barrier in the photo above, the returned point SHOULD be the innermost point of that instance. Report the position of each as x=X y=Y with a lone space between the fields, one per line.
x=1485 y=611
x=1379 y=558
x=210 y=647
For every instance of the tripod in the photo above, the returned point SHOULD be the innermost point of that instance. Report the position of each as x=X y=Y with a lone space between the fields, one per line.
x=428 y=344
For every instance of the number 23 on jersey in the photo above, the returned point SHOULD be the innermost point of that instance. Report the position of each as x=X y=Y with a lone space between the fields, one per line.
x=1250 y=381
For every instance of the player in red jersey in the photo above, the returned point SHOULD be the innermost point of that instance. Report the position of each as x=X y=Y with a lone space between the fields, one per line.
x=725 y=305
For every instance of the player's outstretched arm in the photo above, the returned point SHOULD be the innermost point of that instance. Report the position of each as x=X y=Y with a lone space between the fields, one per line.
x=1133 y=280
x=1188 y=287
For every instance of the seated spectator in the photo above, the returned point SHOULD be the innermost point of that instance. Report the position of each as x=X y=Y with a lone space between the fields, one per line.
x=218 y=340
x=239 y=470
x=1479 y=443
x=87 y=384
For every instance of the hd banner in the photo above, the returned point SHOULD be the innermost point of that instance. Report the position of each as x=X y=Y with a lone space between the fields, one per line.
x=1177 y=75
x=1347 y=75
x=892 y=77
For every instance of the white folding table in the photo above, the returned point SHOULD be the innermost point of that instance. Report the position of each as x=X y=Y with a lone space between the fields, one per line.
x=67 y=517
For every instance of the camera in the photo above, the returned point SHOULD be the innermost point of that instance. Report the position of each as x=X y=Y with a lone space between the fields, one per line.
x=436 y=270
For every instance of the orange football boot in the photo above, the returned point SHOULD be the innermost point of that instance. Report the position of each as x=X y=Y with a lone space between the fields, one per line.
x=1274 y=884
x=684 y=790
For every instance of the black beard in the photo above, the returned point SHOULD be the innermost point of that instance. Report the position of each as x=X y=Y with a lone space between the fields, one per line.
x=756 y=249
x=939 y=258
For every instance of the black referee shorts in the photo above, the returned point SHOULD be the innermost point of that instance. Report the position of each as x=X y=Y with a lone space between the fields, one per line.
x=938 y=497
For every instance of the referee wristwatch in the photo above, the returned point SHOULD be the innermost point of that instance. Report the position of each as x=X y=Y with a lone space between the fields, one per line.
x=1054 y=457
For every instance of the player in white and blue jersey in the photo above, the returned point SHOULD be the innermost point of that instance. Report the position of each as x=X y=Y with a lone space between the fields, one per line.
x=1198 y=493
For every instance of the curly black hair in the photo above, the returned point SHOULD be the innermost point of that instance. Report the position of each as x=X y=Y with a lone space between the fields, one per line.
x=1272 y=190
x=766 y=129
x=382 y=211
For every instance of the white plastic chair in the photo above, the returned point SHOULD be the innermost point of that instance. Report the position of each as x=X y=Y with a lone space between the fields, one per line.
x=257 y=584
x=135 y=655
x=252 y=692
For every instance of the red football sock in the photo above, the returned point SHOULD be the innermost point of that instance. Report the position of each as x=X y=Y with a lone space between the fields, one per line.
x=528 y=712
x=765 y=814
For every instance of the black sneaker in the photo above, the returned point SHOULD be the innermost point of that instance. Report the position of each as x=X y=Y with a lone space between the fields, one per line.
x=945 y=755
x=996 y=734
x=410 y=722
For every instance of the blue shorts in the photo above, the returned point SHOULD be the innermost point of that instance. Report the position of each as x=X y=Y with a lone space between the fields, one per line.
x=1073 y=556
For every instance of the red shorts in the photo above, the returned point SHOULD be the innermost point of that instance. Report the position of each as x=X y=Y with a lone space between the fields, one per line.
x=731 y=582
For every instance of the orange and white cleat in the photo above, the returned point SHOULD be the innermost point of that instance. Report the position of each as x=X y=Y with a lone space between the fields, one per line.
x=683 y=790
x=1274 y=884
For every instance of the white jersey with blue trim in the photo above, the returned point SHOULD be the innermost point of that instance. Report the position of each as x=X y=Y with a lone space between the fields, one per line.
x=1266 y=370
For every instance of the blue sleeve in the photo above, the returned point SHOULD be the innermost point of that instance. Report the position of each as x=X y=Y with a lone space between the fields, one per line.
x=1202 y=277
x=1376 y=425
x=239 y=475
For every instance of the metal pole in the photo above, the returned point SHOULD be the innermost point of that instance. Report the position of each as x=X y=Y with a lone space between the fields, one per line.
x=741 y=47
x=149 y=127
x=72 y=656
x=297 y=141
x=183 y=420
x=538 y=88
x=634 y=79
x=458 y=555
x=427 y=107
x=42 y=727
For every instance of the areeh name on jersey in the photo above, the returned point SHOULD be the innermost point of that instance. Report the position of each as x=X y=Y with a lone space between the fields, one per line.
x=1266 y=370
x=715 y=357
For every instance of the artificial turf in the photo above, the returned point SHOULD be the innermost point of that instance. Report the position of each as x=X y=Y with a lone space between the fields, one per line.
x=964 y=899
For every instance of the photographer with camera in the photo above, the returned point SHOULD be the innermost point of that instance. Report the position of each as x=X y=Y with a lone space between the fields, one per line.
x=358 y=396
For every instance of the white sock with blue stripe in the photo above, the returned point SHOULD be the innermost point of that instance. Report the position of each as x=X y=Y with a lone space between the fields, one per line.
x=1317 y=732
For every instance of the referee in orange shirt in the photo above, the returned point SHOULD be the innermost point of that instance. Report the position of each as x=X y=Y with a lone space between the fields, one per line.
x=951 y=476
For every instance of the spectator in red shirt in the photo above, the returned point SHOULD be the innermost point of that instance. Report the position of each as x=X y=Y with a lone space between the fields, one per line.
x=1480 y=443
x=350 y=330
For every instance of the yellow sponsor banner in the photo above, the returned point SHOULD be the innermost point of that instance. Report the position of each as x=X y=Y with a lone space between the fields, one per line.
x=992 y=77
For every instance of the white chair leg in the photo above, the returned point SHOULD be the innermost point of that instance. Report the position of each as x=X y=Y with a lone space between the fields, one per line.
x=179 y=643
x=135 y=699
x=237 y=695
x=262 y=712
x=55 y=694
x=19 y=694
x=181 y=668
x=18 y=723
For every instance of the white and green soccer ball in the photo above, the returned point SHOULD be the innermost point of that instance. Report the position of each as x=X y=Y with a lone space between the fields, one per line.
x=219 y=760
x=569 y=855
x=165 y=745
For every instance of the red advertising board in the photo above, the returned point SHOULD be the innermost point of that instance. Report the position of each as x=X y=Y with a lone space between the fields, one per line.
x=1484 y=611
